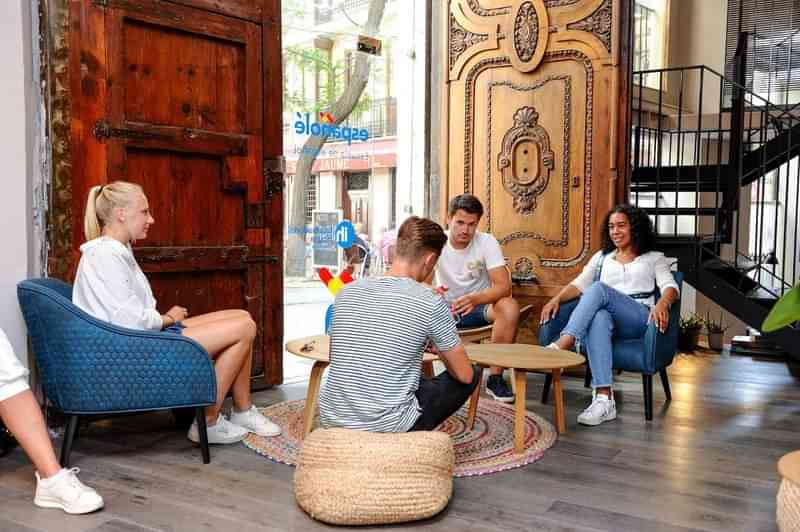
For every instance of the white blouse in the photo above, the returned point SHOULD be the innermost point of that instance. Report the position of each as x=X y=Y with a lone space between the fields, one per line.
x=111 y=286
x=640 y=276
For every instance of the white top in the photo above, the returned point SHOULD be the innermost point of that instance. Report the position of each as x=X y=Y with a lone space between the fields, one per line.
x=111 y=286
x=640 y=276
x=465 y=271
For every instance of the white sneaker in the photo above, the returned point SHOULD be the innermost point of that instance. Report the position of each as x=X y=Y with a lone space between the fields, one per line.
x=602 y=409
x=254 y=421
x=221 y=433
x=64 y=490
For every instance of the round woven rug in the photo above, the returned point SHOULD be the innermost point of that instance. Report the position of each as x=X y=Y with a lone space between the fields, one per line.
x=488 y=448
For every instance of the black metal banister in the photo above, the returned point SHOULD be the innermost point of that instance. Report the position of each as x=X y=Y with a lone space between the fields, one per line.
x=690 y=175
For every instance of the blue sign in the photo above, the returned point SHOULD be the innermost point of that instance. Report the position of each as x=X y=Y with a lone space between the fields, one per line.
x=306 y=127
x=345 y=234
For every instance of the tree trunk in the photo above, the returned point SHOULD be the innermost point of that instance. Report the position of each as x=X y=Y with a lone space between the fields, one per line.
x=295 y=252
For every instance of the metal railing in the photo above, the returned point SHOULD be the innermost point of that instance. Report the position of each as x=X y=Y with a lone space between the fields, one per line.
x=380 y=118
x=725 y=178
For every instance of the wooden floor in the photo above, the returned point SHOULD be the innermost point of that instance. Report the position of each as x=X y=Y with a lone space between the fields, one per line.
x=706 y=462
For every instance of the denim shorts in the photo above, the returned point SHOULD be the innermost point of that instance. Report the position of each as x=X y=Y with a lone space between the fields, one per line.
x=175 y=328
x=476 y=318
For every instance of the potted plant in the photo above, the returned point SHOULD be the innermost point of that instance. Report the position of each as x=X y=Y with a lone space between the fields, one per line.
x=690 y=327
x=785 y=312
x=715 y=331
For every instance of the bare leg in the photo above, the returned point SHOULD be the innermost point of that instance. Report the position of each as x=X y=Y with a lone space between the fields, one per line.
x=566 y=342
x=229 y=343
x=23 y=417
x=203 y=319
x=505 y=316
x=241 y=386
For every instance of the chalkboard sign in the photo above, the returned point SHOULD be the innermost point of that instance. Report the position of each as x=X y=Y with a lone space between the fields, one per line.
x=325 y=251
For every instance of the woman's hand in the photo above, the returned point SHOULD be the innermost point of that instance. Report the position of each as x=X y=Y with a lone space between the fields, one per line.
x=550 y=310
x=177 y=313
x=659 y=315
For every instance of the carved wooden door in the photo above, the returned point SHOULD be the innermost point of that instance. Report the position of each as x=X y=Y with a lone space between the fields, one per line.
x=171 y=95
x=536 y=101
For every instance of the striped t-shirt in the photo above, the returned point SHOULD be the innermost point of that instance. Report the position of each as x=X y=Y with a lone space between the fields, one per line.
x=379 y=331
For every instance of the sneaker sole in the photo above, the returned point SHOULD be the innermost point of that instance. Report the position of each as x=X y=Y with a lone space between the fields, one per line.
x=268 y=434
x=226 y=442
x=491 y=394
x=49 y=503
x=595 y=423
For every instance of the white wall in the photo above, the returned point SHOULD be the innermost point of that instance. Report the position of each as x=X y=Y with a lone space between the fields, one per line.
x=380 y=201
x=410 y=67
x=16 y=154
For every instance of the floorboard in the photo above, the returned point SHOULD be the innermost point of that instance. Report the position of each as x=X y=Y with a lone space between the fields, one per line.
x=706 y=462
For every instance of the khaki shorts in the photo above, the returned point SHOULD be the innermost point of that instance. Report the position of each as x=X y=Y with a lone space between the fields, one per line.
x=13 y=375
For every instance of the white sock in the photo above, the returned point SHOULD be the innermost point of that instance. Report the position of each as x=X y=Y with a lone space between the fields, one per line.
x=54 y=478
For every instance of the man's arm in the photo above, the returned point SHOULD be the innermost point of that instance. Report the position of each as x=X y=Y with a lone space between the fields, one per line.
x=500 y=287
x=457 y=364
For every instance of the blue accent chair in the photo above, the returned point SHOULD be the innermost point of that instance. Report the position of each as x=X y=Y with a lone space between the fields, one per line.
x=648 y=355
x=88 y=366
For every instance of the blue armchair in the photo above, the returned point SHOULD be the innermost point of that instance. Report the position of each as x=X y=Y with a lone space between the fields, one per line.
x=648 y=355
x=89 y=366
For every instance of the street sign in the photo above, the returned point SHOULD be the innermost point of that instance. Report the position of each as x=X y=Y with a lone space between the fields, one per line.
x=325 y=251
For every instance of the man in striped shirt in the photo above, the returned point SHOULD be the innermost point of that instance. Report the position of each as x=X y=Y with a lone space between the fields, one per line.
x=379 y=332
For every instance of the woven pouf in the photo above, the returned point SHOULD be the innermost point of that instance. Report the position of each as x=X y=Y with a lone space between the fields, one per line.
x=348 y=477
x=788 y=504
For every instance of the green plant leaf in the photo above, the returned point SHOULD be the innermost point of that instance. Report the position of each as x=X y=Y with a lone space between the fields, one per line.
x=785 y=312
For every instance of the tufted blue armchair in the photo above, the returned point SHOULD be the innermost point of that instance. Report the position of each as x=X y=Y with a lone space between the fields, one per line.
x=648 y=355
x=89 y=366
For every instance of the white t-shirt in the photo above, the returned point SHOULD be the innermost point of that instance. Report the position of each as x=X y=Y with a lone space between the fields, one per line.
x=111 y=286
x=13 y=375
x=465 y=271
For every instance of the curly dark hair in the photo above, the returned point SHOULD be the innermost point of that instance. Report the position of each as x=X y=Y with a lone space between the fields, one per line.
x=643 y=236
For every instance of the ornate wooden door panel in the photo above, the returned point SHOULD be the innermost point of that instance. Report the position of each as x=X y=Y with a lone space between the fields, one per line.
x=533 y=125
x=181 y=113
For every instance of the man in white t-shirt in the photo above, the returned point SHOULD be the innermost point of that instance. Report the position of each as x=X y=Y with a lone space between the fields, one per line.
x=472 y=272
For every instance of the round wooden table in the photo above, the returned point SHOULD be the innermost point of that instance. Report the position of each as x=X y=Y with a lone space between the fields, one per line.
x=523 y=358
x=318 y=349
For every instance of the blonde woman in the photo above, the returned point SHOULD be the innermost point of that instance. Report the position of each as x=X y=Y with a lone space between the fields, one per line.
x=111 y=286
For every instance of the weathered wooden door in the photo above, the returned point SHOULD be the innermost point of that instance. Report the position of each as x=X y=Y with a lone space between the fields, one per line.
x=536 y=102
x=181 y=97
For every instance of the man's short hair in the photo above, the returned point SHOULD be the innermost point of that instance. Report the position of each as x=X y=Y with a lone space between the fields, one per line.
x=467 y=203
x=418 y=236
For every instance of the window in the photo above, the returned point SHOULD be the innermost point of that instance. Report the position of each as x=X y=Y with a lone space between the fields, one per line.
x=773 y=42
x=311 y=196
x=649 y=36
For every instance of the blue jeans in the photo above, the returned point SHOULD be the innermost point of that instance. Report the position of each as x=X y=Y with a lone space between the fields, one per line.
x=476 y=318
x=601 y=315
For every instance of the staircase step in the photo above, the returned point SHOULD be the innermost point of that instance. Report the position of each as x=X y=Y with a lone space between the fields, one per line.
x=682 y=211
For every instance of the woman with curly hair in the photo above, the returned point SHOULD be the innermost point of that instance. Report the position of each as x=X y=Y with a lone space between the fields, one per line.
x=617 y=289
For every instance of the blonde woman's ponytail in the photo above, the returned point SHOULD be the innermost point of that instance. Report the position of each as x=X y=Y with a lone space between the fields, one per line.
x=103 y=200
x=91 y=223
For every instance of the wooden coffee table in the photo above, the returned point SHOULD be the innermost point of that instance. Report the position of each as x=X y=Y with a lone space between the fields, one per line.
x=318 y=348
x=523 y=358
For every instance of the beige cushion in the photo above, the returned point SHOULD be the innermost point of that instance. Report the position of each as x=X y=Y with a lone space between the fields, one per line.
x=788 y=501
x=347 y=477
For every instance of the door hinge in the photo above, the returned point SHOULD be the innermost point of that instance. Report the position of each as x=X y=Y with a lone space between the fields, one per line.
x=274 y=172
x=103 y=130
x=269 y=259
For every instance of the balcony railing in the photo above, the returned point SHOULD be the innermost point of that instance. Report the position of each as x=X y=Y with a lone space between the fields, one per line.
x=380 y=118
x=324 y=14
